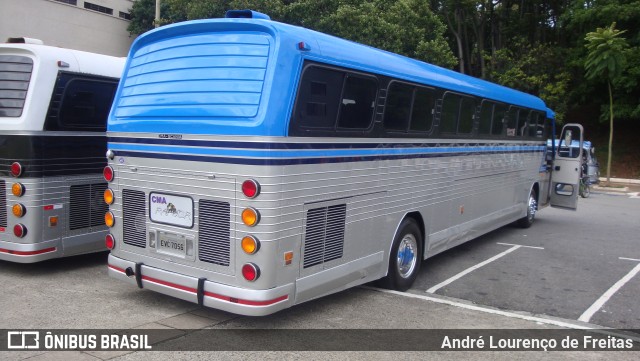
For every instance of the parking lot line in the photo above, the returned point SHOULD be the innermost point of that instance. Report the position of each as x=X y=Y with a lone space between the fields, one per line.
x=511 y=244
x=471 y=269
x=519 y=315
x=586 y=316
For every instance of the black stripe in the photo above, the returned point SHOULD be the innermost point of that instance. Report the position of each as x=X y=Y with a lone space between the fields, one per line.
x=298 y=161
x=50 y=155
x=304 y=146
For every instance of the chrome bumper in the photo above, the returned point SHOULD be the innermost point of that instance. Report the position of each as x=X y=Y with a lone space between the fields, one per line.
x=31 y=252
x=201 y=291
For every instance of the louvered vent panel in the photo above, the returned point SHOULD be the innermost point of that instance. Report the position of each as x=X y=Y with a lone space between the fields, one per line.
x=3 y=204
x=324 y=236
x=214 y=235
x=334 y=235
x=86 y=206
x=134 y=218
x=15 y=75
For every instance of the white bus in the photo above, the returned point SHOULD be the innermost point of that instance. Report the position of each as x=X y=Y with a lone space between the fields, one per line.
x=54 y=104
x=255 y=165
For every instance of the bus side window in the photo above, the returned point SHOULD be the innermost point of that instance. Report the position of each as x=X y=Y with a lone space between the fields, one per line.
x=422 y=113
x=533 y=129
x=317 y=105
x=85 y=104
x=398 y=107
x=497 y=125
x=449 y=116
x=512 y=122
x=486 y=115
x=80 y=103
x=358 y=102
x=467 y=111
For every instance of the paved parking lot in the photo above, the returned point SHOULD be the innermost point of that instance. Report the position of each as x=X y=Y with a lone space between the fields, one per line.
x=570 y=270
x=579 y=265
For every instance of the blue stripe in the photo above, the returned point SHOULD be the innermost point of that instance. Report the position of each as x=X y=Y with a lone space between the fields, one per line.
x=274 y=154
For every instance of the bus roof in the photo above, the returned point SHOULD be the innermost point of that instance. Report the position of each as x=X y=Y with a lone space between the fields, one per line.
x=81 y=61
x=163 y=60
x=366 y=58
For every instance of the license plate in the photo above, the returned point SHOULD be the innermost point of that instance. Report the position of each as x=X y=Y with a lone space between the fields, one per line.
x=171 y=209
x=172 y=244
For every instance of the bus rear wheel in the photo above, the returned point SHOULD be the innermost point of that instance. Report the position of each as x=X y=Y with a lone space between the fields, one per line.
x=532 y=208
x=405 y=258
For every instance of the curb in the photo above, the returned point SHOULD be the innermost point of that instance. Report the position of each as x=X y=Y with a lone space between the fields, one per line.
x=621 y=181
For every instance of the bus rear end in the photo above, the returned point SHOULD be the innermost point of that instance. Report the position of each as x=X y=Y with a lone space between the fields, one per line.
x=193 y=208
x=52 y=150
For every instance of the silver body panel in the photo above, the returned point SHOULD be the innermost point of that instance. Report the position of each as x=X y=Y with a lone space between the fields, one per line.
x=458 y=198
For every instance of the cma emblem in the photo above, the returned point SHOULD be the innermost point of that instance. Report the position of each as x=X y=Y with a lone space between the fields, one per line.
x=158 y=199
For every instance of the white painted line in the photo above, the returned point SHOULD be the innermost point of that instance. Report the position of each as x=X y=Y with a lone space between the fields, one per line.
x=487 y=310
x=629 y=259
x=471 y=269
x=586 y=316
x=634 y=195
x=511 y=244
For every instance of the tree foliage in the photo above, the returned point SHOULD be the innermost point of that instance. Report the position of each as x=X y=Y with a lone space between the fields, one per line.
x=606 y=60
x=536 y=45
x=407 y=27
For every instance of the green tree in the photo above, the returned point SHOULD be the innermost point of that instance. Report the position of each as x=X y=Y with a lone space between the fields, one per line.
x=606 y=60
x=143 y=13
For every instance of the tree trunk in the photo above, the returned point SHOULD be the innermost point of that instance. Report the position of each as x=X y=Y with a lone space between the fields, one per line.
x=610 y=134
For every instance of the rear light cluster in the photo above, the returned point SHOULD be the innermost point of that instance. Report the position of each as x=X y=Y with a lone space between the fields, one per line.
x=18 y=209
x=109 y=198
x=250 y=217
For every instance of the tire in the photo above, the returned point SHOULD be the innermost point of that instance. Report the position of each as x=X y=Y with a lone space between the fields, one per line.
x=405 y=257
x=532 y=208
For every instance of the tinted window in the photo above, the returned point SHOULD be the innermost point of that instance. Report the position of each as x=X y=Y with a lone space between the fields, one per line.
x=467 y=110
x=449 y=117
x=422 y=114
x=319 y=97
x=499 y=112
x=86 y=104
x=357 y=103
x=398 y=108
x=486 y=115
x=512 y=122
x=80 y=103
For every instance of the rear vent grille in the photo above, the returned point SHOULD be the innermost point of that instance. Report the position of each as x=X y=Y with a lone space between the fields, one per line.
x=324 y=237
x=15 y=74
x=214 y=241
x=134 y=218
x=3 y=205
x=87 y=207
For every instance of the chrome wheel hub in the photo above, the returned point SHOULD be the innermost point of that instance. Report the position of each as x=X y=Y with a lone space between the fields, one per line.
x=407 y=252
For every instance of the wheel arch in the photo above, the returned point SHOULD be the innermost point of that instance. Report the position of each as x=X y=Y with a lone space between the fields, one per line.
x=417 y=217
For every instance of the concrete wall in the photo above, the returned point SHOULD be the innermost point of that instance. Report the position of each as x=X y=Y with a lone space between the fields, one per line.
x=68 y=26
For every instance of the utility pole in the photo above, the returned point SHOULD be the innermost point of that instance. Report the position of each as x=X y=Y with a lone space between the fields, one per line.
x=157 y=20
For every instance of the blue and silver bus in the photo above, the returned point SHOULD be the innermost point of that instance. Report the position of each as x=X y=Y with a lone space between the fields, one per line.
x=54 y=104
x=254 y=165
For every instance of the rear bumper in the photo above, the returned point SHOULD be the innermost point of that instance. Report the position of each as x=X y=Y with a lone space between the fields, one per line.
x=30 y=253
x=207 y=293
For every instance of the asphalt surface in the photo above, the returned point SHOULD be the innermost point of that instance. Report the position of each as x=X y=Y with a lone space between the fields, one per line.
x=575 y=261
x=578 y=256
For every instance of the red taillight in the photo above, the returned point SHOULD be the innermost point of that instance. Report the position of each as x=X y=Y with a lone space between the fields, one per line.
x=16 y=169
x=250 y=272
x=110 y=241
x=107 y=172
x=250 y=188
x=19 y=230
